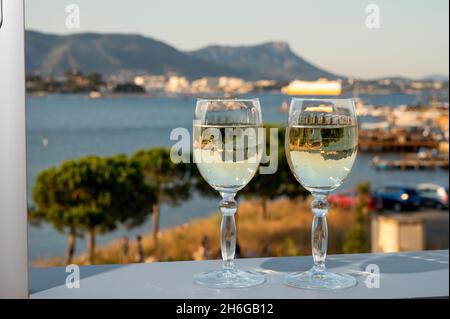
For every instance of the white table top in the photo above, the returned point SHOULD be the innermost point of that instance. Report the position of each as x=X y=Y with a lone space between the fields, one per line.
x=402 y=275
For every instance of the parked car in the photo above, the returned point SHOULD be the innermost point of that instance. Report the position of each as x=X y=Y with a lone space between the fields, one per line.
x=398 y=198
x=346 y=199
x=433 y=196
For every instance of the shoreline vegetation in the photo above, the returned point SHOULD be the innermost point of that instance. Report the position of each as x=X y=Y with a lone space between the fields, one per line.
x=95 y=195
x=284 y=232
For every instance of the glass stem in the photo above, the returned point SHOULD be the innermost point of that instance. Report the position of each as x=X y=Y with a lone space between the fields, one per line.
x=319 y=231
x=228 y=207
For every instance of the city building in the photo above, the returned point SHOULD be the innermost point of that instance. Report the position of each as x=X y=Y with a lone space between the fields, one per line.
x=177 y=84
x=151 y=83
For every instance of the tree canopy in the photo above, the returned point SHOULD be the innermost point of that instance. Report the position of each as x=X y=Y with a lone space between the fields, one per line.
x=170 y=181
x=281 y=183
x=92 y=194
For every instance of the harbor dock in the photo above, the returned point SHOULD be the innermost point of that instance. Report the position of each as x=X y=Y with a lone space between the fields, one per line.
x=410 y=163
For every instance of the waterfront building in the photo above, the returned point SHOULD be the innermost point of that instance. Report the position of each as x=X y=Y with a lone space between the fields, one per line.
x=319 y=87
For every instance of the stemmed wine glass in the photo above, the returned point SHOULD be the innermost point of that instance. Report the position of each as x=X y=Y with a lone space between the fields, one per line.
x=228 y=145
x=321 y=147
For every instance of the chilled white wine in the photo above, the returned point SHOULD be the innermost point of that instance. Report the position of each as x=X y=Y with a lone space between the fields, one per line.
x=321 y=145
x=321 y=156
x=227 y=156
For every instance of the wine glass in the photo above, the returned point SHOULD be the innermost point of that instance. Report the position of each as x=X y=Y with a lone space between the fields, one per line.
x=321 y=146
x=228 y=145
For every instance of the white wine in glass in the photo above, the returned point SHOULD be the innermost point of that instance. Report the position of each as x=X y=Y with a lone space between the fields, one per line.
x=322 y=156
x=228 y=145
x=321 y=147
x=222 y=168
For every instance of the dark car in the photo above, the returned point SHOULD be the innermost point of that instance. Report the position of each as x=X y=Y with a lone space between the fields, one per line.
x=398 y=198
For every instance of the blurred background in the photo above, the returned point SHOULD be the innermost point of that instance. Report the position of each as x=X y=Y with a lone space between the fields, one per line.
x=107 y=83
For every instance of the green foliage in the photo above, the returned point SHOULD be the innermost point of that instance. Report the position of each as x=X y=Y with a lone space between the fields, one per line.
x=363 y=189
x=357 y=239
x=74 y=82
x=92 y=193
x=170 y=181
x=282 y=182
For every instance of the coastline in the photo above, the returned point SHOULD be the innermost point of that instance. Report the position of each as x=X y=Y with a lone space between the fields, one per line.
x=61 y=127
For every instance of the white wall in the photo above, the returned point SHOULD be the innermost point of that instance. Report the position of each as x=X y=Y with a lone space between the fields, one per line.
x=13 y=206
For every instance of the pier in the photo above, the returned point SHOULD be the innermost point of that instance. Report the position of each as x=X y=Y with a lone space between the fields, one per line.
x=410 y=164
x=397 y=145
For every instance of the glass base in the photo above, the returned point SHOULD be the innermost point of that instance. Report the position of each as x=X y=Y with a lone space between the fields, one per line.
x=229 y=278
x=320 y=280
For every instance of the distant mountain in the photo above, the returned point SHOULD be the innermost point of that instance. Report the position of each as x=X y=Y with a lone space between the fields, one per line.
x=51 y=54
x=112 y=53
x=271 y=60
x=436 y=77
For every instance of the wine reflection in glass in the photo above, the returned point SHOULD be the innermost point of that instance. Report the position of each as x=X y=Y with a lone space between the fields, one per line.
x=321 y=147
x=227 y=146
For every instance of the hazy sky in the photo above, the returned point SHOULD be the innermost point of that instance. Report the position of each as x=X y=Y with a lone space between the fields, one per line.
x=412 y=39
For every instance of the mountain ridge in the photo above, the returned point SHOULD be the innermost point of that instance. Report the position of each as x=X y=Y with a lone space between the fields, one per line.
x=51 y=54
x=111 y=53
x=272 y=59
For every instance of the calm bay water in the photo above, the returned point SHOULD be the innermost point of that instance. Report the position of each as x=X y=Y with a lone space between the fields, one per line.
x=76 y=126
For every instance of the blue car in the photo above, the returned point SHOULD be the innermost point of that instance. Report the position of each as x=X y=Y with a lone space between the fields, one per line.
x=397 y=198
